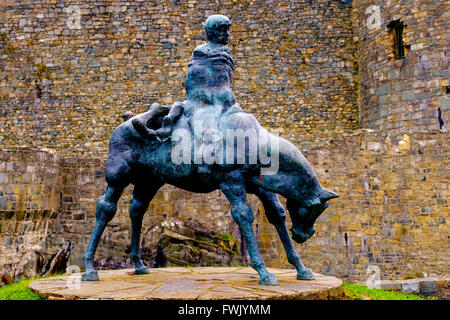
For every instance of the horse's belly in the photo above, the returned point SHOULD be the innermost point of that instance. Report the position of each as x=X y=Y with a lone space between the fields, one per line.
x=186 y=178
x=194 y=186
x=180 y=175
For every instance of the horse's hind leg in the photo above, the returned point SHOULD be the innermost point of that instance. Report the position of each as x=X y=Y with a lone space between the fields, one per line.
x=276 y=215
x=142 y=195
x=105 y=211
x=234 y=190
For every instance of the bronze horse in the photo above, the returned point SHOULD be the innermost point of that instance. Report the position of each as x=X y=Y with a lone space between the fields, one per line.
x=144 y=151
x=148 y=166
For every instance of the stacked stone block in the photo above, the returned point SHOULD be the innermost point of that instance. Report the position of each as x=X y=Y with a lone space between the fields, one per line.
x=29 y=206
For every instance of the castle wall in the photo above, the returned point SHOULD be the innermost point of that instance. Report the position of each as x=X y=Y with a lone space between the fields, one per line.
x=301 y=66
x=403 y=95
x=392 y=213
x=69 y=69
x=29 y=205
x=46 y=201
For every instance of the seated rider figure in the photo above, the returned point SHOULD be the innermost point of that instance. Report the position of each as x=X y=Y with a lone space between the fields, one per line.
x=207 y=85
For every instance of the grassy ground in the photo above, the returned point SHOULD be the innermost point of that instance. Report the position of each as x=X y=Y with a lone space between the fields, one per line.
x=18 y=291
x=361 y=292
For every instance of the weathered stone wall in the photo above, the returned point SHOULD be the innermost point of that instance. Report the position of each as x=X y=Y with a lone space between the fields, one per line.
x=29 y=204
x=67 y=75
x=46 y=201
x=398 y=96
x=84 y=182
x=392 y=213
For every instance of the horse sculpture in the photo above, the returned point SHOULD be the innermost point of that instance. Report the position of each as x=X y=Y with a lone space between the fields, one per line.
x=144 y=151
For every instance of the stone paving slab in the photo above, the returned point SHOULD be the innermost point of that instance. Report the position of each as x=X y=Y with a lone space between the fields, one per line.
x=189 y=284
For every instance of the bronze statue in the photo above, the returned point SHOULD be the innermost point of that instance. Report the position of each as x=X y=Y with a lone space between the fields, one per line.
x=207 y=143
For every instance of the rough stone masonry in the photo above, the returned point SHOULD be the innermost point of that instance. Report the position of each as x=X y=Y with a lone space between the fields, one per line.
x=317 y=71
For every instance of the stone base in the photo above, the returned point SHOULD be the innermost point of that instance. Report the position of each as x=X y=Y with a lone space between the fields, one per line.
x=239 y=283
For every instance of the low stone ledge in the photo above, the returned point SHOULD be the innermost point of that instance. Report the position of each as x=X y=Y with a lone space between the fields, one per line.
x=422 y=286
x=238 y=283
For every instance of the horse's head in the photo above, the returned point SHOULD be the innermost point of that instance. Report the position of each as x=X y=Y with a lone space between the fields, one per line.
x=304 y=214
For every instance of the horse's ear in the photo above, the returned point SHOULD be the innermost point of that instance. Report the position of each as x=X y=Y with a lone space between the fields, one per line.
x=326 y=195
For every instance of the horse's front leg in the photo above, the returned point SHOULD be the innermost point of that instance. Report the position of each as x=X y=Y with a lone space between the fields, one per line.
x=234 y=190
x=105 y=211
x=276 y=215
x=142 y=195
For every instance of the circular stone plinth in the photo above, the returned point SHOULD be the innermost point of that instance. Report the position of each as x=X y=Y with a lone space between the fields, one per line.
x=237 y=283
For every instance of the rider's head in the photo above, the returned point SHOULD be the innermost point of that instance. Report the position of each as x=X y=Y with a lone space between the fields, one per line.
x=218 y=29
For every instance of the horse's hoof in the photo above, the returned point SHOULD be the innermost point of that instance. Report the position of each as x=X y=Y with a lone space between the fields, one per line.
x=269 y=280
x=305 y=275
x=141 y=270
x=90 y=276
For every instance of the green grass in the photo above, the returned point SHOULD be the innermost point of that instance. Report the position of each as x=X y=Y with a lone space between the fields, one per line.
x=361 y=292
x=18 y=291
